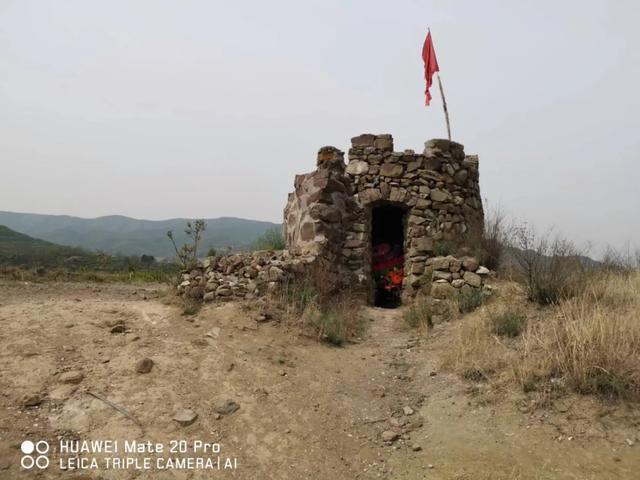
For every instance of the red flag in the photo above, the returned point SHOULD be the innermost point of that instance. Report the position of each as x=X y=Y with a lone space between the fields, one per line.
x=430 y=65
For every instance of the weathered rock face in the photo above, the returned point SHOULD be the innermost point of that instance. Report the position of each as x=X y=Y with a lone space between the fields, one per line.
x=329 y=213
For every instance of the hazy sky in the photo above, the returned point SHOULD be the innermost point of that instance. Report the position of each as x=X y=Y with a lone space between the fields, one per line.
x=158 y=109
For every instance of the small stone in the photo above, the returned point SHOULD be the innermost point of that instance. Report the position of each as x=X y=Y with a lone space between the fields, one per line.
x=439 y=275
x=227 y=407
x=470 y=263
x=482 y=271
x=223 y=291
x=144 y=365
x=275 y=274
x=364 y=140
x=429 y=466
x=357 y=167
x=408 y=410
x=461 y=177
x=629 y=442
x=199 y=342
x=472 y=279
x=74 y=377
x=214 y=333
x=209 y=296
x=440 y=263
x=32 y=400
x=390 y=436
x=185 y=417
x=120 y=328
x=416 y=448
x=439 y=195
x=391 y=170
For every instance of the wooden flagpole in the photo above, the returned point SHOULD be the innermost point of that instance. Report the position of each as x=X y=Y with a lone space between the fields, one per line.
x=444 y=104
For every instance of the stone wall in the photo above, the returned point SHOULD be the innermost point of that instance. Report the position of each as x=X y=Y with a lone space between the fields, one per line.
x=327 y=221
x=318 y=213
x=329 y=213
x=241 y=276
x=450 y=276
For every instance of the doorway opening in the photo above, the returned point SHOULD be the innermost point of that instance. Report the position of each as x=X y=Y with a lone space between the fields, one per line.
x=387 y=254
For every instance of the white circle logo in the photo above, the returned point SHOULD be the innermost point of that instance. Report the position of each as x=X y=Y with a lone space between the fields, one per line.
x=42 y=462
x=27 y=447
x=27 y=462
x=42 y=447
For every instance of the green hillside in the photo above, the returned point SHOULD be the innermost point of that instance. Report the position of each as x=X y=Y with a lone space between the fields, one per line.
x=128 y=236
x=11 y=240
x=20 y=250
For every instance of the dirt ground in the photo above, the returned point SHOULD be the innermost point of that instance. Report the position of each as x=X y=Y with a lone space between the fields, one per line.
x=307 y=410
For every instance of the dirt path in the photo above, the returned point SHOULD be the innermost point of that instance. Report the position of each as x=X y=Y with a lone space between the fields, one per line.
x=306 y=410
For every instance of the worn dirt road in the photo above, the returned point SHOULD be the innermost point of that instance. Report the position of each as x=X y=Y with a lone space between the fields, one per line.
x=307 y=410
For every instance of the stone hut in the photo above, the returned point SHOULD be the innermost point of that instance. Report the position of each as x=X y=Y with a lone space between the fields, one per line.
x=343 y=215
x=374 y=226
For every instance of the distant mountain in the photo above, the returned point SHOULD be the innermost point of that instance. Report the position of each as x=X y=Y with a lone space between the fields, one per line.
x=117 y=234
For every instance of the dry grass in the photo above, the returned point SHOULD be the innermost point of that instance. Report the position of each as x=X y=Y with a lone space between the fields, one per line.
x=595 y=341
x=334 y=323
x=418 y=315
x=478 y=354
x=334 y=320
x=589 y=343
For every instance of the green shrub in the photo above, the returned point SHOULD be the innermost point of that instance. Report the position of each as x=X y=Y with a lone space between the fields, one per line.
x=331 y=327
x=441 y=249
x=508 y=324
x=470 y=299
x=187 y=255
x=419 y=314
x=272 y=239
x=608 y=384
x=425 y=280
x=297 y=293
x=190 y=306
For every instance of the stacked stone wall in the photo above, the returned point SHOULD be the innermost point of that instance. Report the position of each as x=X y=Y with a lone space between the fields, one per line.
x=327 y=219
x=242 y=276
x=330 y=209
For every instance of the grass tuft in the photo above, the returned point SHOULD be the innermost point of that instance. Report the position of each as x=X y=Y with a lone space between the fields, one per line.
x=470 y=299
x=588 y=343
x=190 y=306
x=419 y=314
x=508 y=324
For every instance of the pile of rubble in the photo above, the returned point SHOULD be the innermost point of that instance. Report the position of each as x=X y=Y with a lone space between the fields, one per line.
x=240 y=276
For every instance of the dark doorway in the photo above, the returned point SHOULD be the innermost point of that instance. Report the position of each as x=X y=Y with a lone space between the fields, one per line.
x=387 y=254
